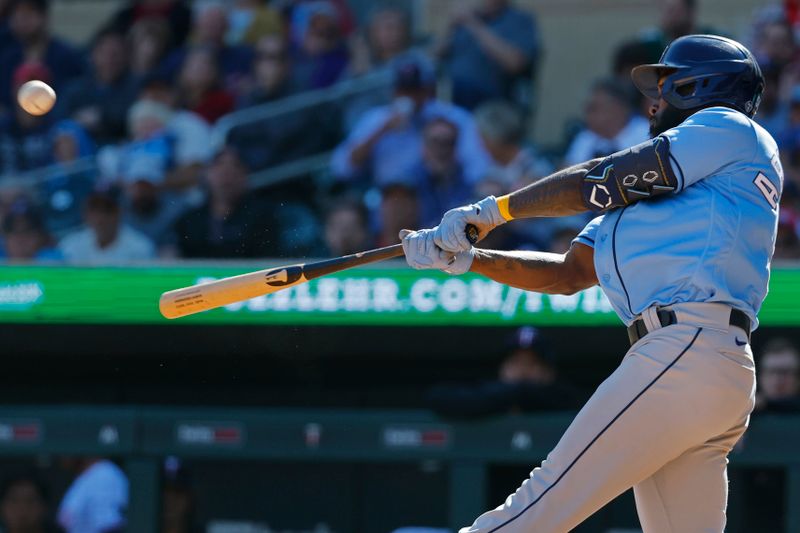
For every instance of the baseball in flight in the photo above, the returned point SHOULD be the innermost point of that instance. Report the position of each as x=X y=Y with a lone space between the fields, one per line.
x=36 y=97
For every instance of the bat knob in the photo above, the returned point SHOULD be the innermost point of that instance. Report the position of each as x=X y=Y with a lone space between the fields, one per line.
x=472 y=233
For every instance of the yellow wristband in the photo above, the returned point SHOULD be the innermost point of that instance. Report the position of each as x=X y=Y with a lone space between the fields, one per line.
x=502 y=206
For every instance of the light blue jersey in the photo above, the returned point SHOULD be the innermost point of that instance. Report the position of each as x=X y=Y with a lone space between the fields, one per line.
x=712 y=240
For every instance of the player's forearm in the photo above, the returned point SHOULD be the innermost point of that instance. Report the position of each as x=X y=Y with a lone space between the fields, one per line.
x=531 y=271
x=556 y=195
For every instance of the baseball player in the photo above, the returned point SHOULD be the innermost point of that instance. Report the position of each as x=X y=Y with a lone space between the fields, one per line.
x=682 y=248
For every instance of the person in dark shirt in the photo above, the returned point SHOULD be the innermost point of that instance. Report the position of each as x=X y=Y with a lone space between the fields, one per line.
x=272 y=73
x=25 y=236
x=6 y=39
x=209 y=28
x=290 y=135
x=200 y=85
x=490 y=53
x=439 y=178
x=527 y=381
x=175 y=13
x=232 y=223
x=149 y=46
x=321 y=56
x=347 y=227
x=779 y=378
x=100 y=101
x=29 y=26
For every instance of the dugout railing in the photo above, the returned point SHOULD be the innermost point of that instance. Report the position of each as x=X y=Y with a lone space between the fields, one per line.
x=140 y=437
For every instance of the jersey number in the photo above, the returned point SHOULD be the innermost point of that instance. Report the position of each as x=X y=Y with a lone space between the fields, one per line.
x=767 y=189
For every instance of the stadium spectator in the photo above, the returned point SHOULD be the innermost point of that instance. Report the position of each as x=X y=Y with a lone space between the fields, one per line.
x=399 y=210
x=347 y=227
x=100 y=100
x=527 y=380
x=152 y=213
x=142 y=168
x=24 y=505
x=288 y=136
x=6 y=38
x=631 y=54
x=787 y=243
x=272 y=73
x=609 y=124
x=209 y=27
x=232 y=223
x=149 y=152
x=490 y=53
x=174 y=14
x=97 y=499
x=25 y=140
x=177 y=500
x=439 y=178
x=384 y=145
x=200 y=87
x=779 y=378
x=776 y=44
x=788 y=140
x=516 y=163
x=29 y=25
x=69 y=182
x=149 y=46
x=321 y=56
x=384 y=43
x=105 y=239
x=25 y=237
x=773 y=113
x=250 y=20
x=298 y=12
x=387 y=36
x=12 y=194
x=676 y=19
x=190 y=135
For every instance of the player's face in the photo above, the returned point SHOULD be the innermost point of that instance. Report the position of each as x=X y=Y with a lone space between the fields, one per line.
x=663 y=116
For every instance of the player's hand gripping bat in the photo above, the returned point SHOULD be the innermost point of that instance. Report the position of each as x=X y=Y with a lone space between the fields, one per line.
x=197 y=298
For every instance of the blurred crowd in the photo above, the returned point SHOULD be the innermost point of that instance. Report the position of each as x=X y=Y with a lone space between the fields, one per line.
x=155 y=148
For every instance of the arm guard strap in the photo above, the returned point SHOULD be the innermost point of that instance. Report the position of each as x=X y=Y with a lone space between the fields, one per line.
x=625 y=177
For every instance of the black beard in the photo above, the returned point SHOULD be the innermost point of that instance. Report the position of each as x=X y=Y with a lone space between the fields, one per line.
x=670 y=117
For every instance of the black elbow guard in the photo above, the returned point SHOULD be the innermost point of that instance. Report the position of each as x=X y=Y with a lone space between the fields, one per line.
x=637 y=173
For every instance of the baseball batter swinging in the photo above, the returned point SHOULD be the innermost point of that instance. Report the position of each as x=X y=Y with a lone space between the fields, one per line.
x=682 y=248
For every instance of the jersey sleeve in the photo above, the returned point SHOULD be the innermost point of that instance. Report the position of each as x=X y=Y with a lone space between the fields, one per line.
x=587 y=235
x=707 y=142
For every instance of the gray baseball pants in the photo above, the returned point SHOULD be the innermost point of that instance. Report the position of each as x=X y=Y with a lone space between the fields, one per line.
x=662 y=423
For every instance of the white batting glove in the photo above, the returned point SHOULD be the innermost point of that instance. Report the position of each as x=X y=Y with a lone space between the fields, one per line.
x=451 y=233
x=423 y=254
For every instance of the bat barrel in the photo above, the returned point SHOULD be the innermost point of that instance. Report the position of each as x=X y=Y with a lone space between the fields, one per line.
x=198 y=298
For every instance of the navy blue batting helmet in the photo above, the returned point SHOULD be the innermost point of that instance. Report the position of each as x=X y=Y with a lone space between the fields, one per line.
x=702 y=70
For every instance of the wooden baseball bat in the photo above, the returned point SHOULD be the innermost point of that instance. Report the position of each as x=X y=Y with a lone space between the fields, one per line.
x=190 y=300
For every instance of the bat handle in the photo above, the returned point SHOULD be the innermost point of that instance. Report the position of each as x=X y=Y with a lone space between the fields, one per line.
x=472 y=233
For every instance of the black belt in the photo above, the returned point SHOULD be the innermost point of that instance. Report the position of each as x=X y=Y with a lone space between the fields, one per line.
x=638 y=329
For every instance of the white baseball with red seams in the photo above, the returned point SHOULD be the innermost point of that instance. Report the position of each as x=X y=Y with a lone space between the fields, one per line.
x=36 y=97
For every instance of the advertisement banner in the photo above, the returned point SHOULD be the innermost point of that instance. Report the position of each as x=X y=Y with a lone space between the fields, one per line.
x=388 y=296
